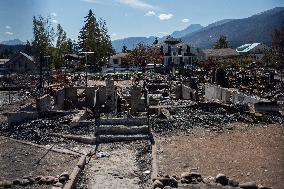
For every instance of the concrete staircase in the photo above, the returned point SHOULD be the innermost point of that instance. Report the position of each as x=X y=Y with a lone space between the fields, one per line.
x=122 y=129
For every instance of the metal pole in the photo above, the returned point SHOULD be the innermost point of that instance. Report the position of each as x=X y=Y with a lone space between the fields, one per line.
x=40 y=71
x=86 y=55
x=9 y=89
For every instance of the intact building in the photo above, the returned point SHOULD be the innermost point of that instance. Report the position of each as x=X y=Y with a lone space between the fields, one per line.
x=21 y=63
x=176 y=53
x=255 y=51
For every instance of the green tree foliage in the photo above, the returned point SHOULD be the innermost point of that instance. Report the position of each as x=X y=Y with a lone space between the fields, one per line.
x=63 y=47
x=43 y=36
x=156 y=41
x=28 y=48
x=94 y=37
x=221 y=43
x=124 y=48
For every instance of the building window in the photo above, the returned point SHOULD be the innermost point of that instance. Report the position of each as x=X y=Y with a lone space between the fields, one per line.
x=115 y=61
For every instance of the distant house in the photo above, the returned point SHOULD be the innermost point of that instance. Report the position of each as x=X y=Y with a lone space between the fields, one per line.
x=255 y=51
x=21 y=63
x=117 y=60
x=74 y=60
x=176 y=52
x=3 y=69
x=217 y=54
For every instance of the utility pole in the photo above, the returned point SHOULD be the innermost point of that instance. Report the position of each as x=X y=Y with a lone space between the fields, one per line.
x=86 y=70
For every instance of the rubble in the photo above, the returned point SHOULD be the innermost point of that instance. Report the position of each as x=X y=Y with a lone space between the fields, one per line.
x=114 y=109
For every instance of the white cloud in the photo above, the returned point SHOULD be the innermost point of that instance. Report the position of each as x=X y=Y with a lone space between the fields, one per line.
x=165 y=16
x=185 y=20
x=55 y=21
x=150 y=13
x=163 y=33
x=8 y=27
x=138 y=4
x=9 y=33
x=114 y=34
x=53 y=14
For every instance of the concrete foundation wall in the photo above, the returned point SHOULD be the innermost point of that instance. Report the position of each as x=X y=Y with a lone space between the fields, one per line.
x=213 y=92
x=18 y=117
x=188 y=93
x=43 y=103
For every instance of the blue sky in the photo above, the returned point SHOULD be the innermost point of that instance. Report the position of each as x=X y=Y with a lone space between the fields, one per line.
x=124 y=18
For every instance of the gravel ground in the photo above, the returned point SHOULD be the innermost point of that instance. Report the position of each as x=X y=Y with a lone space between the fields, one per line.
x=122 y=169
x=19 y=160
x=245 y=153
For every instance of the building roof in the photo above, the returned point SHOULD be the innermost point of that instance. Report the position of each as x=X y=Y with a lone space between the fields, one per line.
x=227 y=52
x=119 y=55
x=247 y=47
x=171 y=40
x=3 y=61
x=27 y=56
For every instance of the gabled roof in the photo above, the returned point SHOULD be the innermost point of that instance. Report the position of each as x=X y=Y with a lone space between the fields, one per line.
x=27 y=56
x=247 y=47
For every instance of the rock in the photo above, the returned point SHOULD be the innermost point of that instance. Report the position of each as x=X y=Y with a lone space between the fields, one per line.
x=54 y=187
x=7 y=184
x=173 y=182
x=222 y=179
x=167 y=181
x=58 y=184
x=264 y=187
x=25 y=182
x=248 y=185
x=65 y=174
x=167 y=187
x=191 y=175
x=157 y=184
x=49 y=179
x=42 y=180
x=62 y=179
x=233 y=183
x=56 y=180
x=185 y=181
x=16 y=182
x=38 y=177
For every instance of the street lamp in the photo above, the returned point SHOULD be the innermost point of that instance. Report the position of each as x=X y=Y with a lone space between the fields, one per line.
x=86 y=56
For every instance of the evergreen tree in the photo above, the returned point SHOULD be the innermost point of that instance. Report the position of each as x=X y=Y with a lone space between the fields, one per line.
x=156 y=41
x=28 y=48
x=43 y=36
x=221 y=43
x=124 y=48
x=63 y=47
x=93 y=37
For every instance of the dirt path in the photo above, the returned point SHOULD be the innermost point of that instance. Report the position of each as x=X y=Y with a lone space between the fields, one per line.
x=119 y=170
x=253 y=153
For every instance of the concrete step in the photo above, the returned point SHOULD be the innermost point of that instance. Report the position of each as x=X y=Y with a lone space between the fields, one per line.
x=124 y=121
x=121 y=130
x=121 y=138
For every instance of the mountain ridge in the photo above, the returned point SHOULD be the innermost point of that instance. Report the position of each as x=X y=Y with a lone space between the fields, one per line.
x=256 y=28
x=12 y=42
